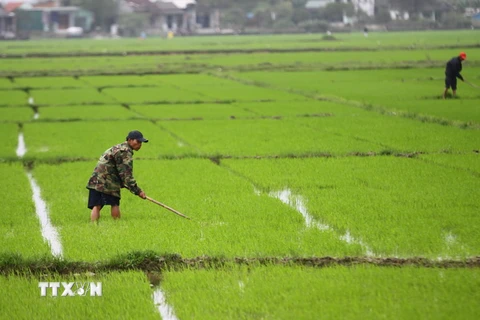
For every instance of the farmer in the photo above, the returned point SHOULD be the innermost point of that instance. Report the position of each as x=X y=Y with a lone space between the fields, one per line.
x=452 y=72
x=114 y=170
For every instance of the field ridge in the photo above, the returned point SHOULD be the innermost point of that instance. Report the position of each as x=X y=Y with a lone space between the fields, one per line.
x=224 y=51
x=150 y=261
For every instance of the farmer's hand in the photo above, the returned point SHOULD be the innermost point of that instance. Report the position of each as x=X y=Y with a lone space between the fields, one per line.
x=142 y=195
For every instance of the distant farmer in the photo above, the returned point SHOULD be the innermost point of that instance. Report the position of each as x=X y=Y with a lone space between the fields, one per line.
x=452 y=72
x=365 y=32
x=114 y=170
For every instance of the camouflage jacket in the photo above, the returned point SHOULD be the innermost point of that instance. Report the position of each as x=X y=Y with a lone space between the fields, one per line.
x=114 y=170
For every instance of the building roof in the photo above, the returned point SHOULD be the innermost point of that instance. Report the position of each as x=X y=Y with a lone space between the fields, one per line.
x=12 y=6
x=316 y=4
x=180 y=4
x=160 y=4
x=56 y=9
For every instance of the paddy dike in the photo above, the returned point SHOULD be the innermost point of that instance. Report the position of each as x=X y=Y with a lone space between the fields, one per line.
x=117 y=53
x=149 y=261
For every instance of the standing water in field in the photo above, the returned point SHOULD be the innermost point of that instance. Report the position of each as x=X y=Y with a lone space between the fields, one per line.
x=297 y=202
x=166 y=311
x=49 y=232
x=21 y=148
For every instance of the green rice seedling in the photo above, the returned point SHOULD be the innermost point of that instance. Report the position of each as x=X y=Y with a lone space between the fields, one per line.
x=396 y=206
x=24 y=300
x=241 y=92
x=5 y=83
x=357 y=292
x=191 y=81
x=266 y=137
x=469 y=161
x=310 y=81
x=223 y=89
x=10 y=133
x=412 y=89
x=13 y=98
x=192 y=111
x=16 y=114
x=47 y=82
x=450 y=110
x=19 y=225
x=376 y=40
x=149 y=95
x=307 y=108
x=107 y=81
x=92 y=65
x=97 y=113
x=358 y=132
x=70 y=96
x=395 y=134
x=91 y=139
x=344 y=59
x=247 y=225
x=347 y=59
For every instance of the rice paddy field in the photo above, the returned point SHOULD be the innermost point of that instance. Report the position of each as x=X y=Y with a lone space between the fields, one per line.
x=323 y=179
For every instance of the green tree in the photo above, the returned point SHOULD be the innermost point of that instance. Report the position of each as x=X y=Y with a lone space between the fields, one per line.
x=300 y=14
x=283 y=10
x=414 y=6
x=234 y=18
x=383 y=15
x=455 y=20
x=105 y=11
x=132 y=24
x=335 y=11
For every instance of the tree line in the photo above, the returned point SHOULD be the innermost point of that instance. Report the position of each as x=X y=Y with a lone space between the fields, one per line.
x=290 y=14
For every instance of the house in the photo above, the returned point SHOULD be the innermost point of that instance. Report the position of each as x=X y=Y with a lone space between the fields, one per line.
x=207 y=19
x=317 y=4
x=178 y=16
x=54 y=20
x=7 y=24
x=164 y=16
x=47 y=18
x=367 y=6
x=476 y=20
x=399 y=15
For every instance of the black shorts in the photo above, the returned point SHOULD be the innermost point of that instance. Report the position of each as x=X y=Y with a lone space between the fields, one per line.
x=451 y=82
x=96 y=198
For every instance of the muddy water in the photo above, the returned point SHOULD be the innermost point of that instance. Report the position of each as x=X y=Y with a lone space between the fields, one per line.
x=166 y=311
x=297 y=202
x=21 y=148
x=49 y=232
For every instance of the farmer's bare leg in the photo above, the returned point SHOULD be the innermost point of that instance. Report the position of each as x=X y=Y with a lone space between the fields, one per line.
x=95 y=215
x=116 y=212
x=454 y=92
x=445 y=93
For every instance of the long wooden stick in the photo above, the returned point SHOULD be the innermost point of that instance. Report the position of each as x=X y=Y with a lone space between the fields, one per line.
x=472 y=85
x=168 y=208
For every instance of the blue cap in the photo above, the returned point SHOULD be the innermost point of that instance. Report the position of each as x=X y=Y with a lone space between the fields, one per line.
x=137 y=135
